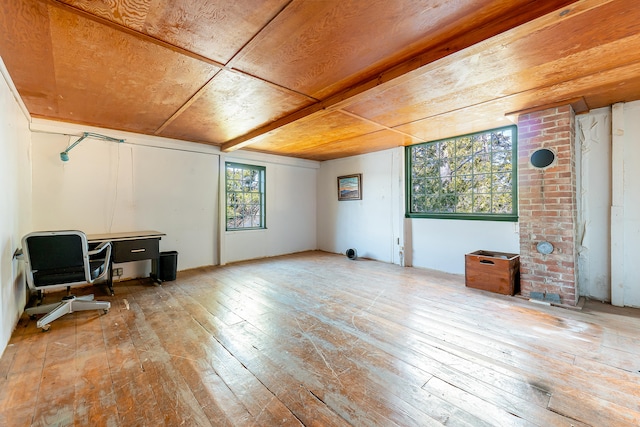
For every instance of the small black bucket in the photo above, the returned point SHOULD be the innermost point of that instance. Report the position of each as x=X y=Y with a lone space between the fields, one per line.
x=168 y=266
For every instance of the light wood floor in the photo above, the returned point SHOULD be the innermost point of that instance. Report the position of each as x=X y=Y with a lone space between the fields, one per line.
x=316 y=339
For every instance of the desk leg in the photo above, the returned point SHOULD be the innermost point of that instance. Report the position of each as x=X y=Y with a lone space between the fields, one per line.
x=110 y=280
x=155 y=268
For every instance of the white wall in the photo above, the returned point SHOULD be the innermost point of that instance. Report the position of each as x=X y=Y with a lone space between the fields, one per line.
x=144 y=184
x=441 y=244
x=290 y=210
x=14 y=199
x=609 y=247
x=631 y=182
x=171 y=186
x=371 y=225
x=375 y=226
x=593 y=167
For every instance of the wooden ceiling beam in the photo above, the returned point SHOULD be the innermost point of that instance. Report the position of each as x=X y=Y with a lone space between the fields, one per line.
x=338 y=100
x=406 y=70
x=578 y=104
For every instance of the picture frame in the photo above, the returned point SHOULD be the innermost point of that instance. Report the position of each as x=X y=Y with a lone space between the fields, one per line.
x=350 y=187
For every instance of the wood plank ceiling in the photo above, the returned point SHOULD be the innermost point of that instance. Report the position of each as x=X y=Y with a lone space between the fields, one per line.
x=316 y=79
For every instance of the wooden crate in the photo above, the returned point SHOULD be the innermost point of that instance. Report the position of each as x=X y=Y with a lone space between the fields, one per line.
x=493 y=271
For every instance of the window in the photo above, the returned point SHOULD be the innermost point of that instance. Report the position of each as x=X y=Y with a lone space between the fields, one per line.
x=245 y=185
x=466 y=177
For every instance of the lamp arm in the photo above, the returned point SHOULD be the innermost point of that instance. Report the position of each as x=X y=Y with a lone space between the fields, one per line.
x=84 y=135
x=102 y=137
x=64 y=156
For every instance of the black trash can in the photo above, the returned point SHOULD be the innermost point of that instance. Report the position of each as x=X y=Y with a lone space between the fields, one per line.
x=168 y=266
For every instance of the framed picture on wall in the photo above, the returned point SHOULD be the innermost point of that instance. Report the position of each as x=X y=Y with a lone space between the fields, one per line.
x=350 y=187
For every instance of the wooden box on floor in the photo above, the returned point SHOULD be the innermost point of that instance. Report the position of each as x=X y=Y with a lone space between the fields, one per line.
x=493 y=271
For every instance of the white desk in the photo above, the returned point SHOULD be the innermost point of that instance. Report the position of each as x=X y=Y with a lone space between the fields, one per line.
x=131 y=246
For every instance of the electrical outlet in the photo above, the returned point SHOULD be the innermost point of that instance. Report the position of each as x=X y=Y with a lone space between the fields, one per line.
x=117 y=271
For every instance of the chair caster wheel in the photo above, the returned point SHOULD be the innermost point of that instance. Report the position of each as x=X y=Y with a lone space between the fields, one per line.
x=32 y=316
x=105 y=311
x=45 y=328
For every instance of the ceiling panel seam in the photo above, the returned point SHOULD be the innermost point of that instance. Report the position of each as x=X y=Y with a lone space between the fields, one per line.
x=170 y=46
x=395 y=75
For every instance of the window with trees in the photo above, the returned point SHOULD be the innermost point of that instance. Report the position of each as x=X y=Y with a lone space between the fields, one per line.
x=245 y=196
x=466 y=177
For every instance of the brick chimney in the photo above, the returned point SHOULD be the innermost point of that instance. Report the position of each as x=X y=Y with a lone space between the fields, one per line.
x=547 y=204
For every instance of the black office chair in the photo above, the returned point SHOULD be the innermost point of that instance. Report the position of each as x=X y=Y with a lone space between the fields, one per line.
x=62 y=259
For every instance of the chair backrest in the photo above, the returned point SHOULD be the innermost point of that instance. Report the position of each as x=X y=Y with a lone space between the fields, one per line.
x=55 y=251
x=56 y=258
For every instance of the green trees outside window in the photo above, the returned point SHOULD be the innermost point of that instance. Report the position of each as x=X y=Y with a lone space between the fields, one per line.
x=466 y=177
x=245 y=196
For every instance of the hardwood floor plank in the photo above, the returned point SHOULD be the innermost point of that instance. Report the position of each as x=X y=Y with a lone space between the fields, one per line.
x=131 y=386
x=315 y=339
x=95 y=402
x=303 y=404
x=603 y=391
x=28 y=353
x=8 y=359
x=19 y=390
x=327 y=371
x=259 y=402
x=373 y=330
x=216 y=399
x=529 y=387
x=17 y=416
x=434 y=368
x=56 y=395
x=582 y=406
x=485 y=411
x=175 y=402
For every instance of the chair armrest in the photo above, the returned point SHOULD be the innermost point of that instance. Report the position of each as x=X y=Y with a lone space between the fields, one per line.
x=100 y=248
x=100 y=258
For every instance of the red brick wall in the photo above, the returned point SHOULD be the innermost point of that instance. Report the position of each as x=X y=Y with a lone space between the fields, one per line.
x=547 y=204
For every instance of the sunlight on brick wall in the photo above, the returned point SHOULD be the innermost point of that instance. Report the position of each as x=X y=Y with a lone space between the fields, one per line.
x=547 y=204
